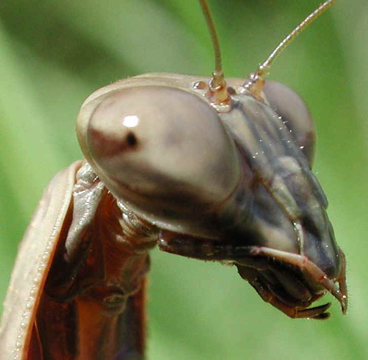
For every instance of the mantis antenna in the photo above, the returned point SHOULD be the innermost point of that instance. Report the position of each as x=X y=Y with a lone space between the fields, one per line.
x=217 y=84
x=255 y=81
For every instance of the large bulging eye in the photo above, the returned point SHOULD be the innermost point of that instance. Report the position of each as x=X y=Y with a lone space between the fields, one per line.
x=295 y=114
x=161 y=150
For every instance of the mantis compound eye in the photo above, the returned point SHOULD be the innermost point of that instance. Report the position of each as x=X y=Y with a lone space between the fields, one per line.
x=295 y=115
x=163 y=150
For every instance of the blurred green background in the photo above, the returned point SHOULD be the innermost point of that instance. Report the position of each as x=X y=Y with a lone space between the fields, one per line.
x=54 y=53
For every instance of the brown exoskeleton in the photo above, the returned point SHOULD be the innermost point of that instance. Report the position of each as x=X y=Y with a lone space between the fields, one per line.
x=208 y=169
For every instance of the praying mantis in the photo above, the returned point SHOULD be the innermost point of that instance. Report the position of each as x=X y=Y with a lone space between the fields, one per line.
x=222 y=188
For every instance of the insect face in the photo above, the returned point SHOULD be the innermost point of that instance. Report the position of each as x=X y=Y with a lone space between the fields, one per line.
x=265 y=212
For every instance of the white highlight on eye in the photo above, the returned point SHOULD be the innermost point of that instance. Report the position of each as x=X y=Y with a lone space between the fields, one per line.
x=130 y=121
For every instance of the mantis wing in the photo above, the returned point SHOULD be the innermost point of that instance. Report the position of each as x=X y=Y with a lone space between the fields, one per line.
x=32 y=265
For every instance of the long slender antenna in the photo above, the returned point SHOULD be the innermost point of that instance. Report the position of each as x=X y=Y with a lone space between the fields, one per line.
x=217 y=84
x=255 y=81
